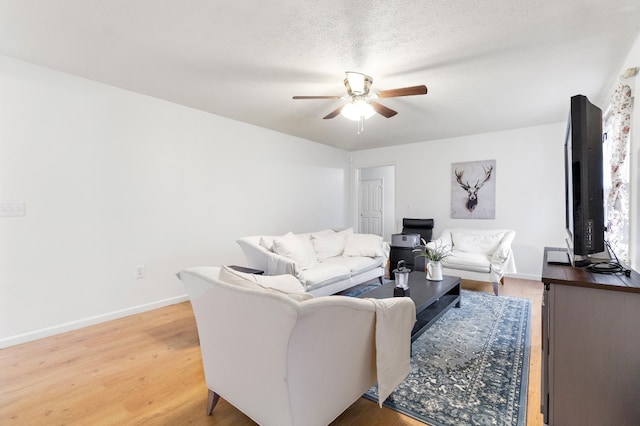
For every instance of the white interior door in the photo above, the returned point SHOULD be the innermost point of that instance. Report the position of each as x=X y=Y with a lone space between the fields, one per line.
x=371 y=207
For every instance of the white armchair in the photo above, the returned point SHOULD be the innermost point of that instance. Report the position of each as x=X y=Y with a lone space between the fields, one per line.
x=478 y=254
x=283 y=361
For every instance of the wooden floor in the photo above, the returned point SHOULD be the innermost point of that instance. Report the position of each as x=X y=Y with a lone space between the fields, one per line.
x=146 y=369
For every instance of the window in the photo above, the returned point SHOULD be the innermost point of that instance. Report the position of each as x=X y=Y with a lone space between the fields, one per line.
x=616 y=170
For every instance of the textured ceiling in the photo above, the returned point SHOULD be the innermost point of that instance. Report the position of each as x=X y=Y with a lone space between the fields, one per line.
x=489 y=65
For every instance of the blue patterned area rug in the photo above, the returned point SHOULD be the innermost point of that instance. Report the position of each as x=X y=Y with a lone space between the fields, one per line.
x=359 y=289
x=471 y=367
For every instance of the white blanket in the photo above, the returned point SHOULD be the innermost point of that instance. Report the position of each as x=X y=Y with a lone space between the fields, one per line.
x=395 y=318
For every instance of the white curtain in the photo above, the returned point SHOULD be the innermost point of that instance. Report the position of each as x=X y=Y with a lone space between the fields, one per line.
x=617 y=130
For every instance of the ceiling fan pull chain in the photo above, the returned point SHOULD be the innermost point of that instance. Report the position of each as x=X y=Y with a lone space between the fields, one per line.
x=361 y=124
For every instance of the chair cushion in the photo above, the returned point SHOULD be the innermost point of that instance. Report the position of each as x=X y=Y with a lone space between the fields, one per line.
x=476 y=262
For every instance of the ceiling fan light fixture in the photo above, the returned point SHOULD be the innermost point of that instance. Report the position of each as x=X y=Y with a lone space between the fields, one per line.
x=363 y=104
x=357 y=110
x=357 y=83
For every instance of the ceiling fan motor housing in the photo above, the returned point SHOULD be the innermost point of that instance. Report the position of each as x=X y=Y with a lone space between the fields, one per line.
x=357 y=84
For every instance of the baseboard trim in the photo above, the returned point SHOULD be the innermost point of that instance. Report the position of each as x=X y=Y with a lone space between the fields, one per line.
x=86 y=322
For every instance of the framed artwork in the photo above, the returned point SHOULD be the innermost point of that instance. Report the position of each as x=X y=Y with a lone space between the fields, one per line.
x=473 y=190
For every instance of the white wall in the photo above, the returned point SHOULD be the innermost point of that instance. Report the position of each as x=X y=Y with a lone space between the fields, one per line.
x=112 y=179
x=529 y=185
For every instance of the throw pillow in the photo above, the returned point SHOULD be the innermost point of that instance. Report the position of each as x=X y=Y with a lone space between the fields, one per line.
x=476 y=243
x=298 y=249
x=322 y=233
x=241 y=279
x=283 y=284
x=366 y=245
x=307 y=246
x=346 y=231
x=300 y=297
x=267 y=243
x=327 y=246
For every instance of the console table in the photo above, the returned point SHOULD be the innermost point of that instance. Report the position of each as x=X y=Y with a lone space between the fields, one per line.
x=590 y=347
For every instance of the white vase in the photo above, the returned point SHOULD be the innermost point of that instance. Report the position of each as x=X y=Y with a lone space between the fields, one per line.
x=434 y=270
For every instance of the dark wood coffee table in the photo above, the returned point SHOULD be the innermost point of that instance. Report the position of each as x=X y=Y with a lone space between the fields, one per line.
x=432 y=298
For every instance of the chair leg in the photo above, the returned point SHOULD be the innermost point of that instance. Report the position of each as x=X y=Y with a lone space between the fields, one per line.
x=212 y=400
x=495 y=287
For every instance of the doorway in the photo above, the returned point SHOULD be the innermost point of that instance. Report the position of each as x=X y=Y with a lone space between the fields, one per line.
x=376 y=201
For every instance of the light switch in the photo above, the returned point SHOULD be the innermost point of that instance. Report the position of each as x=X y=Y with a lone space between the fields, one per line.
x=12 y=208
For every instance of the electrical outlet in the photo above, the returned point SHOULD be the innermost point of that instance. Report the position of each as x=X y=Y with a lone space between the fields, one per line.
x=139 y=272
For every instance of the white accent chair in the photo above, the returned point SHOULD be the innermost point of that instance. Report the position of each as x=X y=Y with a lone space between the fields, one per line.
x=478 y=254
x=282 y=361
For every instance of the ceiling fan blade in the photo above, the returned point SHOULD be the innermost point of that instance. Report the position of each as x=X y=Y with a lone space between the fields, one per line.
x=405 y=91
x=317 y=97
x=333 y=113
x=383 y=110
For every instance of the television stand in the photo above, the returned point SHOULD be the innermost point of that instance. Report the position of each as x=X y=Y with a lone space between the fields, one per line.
x=590 y=346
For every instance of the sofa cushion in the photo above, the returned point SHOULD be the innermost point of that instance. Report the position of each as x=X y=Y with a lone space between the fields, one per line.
x=283 y=284
x=356 y=264
x=297 y=248
x=476 y=243
x=367 y=245
x=323 y=273
x=476 y=262
x=327 y=246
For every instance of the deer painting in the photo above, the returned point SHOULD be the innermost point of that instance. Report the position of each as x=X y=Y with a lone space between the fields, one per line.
x=472 y=190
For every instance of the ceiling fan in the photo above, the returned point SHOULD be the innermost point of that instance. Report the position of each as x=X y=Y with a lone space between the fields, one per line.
x=362 y=104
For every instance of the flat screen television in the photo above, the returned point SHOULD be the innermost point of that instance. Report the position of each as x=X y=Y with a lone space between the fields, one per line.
x=584 y=182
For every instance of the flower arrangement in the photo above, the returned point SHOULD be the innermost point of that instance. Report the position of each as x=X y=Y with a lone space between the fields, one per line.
x=436 y=252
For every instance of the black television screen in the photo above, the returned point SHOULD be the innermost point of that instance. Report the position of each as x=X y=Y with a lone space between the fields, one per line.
x=584 y=181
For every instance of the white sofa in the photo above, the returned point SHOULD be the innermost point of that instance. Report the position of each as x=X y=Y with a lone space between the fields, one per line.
x=325 y=262
x=478 y=254
x=283 y=357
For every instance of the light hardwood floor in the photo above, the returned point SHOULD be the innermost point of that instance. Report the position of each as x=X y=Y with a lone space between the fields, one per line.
x=146 y=369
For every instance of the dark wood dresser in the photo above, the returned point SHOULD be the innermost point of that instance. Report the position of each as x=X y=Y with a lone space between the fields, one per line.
x=590 y=346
